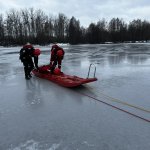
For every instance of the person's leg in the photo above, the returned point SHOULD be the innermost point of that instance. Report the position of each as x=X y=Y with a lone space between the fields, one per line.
x=26 y=72
x=36 y=61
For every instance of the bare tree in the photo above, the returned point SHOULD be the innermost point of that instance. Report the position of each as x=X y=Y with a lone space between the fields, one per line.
x=1 y=29
x=59 y=27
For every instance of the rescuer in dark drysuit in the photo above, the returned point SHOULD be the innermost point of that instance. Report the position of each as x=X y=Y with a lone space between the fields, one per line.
x=26 y=54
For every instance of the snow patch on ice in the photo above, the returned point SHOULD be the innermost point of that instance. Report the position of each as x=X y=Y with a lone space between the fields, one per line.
x=87 y=144
x=29 y=145
x=33 y=145
x=54 y=147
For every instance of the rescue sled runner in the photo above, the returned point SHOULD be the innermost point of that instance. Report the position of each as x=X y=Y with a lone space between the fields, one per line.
x=63 y=79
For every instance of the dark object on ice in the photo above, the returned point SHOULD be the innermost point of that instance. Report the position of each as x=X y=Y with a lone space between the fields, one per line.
x=61 y=78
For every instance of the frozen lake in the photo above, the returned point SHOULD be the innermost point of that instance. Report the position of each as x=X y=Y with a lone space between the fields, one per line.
x=112 y=113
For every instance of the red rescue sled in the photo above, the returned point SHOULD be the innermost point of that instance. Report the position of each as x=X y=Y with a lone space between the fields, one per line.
x=62 y=79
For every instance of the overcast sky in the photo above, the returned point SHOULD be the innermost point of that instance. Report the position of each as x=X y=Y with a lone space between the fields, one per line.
x=86 y=11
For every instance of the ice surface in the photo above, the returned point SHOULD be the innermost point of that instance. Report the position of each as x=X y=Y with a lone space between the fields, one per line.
x=40 y=115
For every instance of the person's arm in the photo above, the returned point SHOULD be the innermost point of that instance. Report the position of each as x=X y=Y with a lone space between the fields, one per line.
x=51 y=57
x=22 y=55
x=36 y=62
x=63 y=51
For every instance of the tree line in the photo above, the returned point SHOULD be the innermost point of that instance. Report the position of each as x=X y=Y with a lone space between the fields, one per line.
x=29 y=25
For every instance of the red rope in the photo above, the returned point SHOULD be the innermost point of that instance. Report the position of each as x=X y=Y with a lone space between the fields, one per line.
x=116 y=107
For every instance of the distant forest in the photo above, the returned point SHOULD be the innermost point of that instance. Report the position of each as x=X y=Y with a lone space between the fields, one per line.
x=29 y=25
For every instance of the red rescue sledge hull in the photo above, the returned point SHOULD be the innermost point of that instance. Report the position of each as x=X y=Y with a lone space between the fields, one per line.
x=63 y=79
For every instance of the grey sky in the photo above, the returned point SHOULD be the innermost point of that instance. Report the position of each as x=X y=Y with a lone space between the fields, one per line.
x=86 y=11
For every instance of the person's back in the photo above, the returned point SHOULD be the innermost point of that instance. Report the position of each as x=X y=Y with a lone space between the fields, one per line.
x=54 y=52
x=25 y=54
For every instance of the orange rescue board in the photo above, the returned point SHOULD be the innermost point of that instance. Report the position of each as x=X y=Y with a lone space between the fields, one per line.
x=62 y=79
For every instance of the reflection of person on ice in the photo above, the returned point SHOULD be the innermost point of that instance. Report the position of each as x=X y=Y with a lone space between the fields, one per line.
x=57 y=55
x=26 y=54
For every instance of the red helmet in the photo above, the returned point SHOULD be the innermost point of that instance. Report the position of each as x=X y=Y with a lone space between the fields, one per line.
x=57 y=71
x=60 y=53
x=37 y=52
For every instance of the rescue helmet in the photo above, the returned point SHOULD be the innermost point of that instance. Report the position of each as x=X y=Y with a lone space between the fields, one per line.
x=60 y=53
x=57 y=71
x=37 y=52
